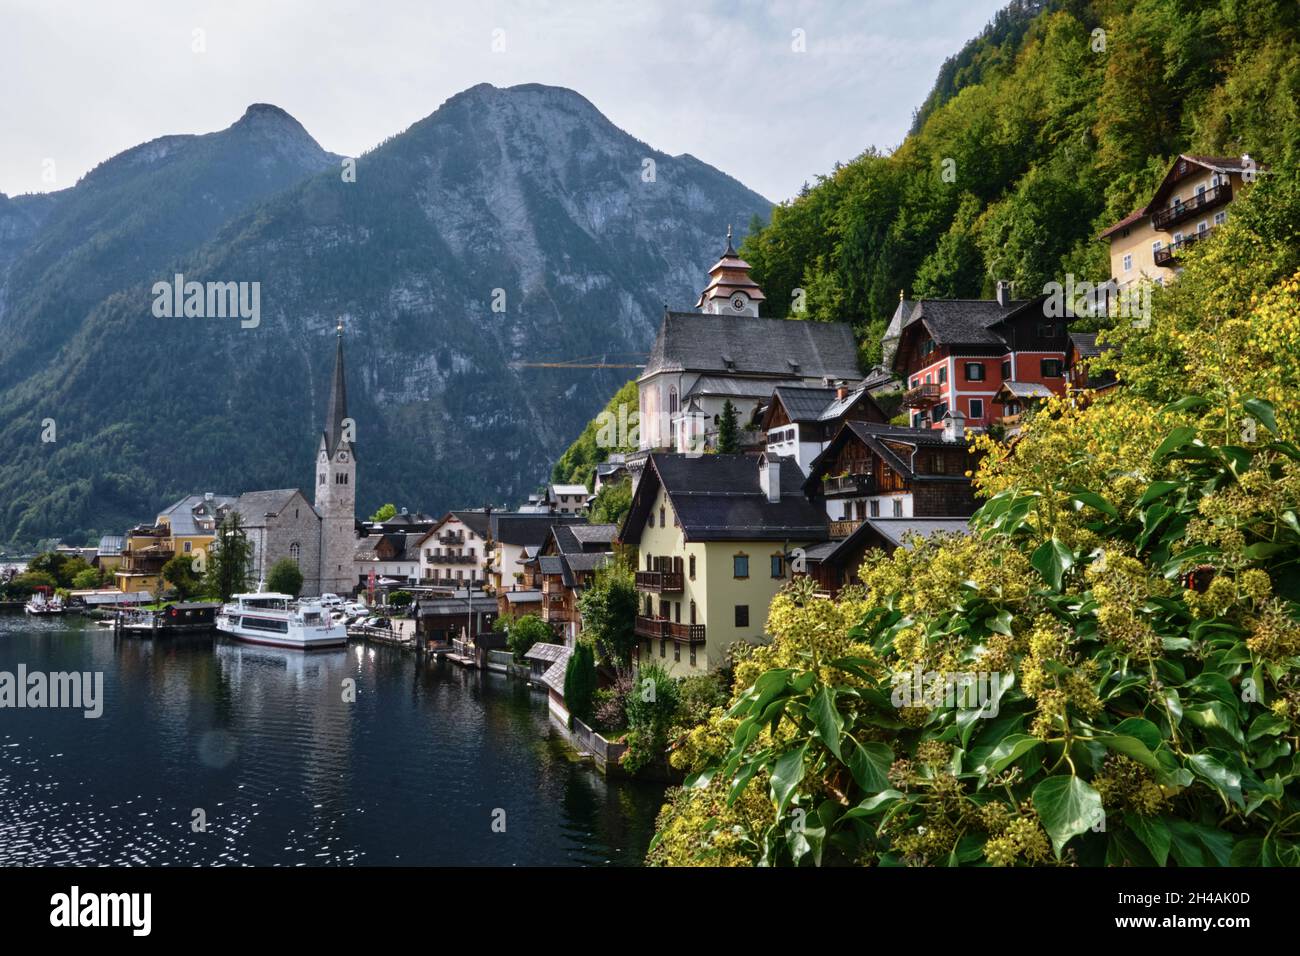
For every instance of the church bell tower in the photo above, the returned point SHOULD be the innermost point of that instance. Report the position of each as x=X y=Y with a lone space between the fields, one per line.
x=336 y=472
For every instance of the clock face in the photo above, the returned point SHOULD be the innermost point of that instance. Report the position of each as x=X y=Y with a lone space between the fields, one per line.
x=343 y=457
x=738 y=302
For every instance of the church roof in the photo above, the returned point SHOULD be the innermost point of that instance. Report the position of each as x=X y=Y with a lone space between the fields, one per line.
x=744 y=345
x=254 y=506
x=337 y=410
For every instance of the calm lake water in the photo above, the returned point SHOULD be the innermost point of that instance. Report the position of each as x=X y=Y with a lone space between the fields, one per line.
x=287 y=773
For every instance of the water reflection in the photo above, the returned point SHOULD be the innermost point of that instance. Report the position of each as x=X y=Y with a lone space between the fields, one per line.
x=285 y=770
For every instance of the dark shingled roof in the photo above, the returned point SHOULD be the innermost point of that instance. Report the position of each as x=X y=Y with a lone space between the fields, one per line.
x=512 y=527
x=804 y=404
x=1085 y=344
x=254 y=506
x=476 y=521
x=745 y=345
x=718 y=498
x=873 y=435
x=963 y=321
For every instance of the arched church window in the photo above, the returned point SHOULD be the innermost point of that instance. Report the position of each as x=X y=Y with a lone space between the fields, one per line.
x=294 y=551
x=672 y=399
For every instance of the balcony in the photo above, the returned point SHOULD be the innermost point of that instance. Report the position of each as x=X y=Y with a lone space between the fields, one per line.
x=452 y=537
x=1167 y=254
x=660 y=582
x=1171 y=215
x=844 y=527
x=661 y=629
x=921 y=396
x=854 y=483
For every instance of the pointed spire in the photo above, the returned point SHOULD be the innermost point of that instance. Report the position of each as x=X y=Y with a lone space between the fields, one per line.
x=731 y=250
x=337 y=410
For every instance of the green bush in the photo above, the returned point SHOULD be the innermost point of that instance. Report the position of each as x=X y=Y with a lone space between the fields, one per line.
x=525 y=631
x=580 y=682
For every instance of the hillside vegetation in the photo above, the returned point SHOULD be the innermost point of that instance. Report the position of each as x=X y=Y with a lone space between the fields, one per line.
x=1058 y=120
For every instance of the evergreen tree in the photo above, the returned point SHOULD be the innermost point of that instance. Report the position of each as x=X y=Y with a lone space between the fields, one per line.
x=230 y=559
x=580 y=682
x=728 y=430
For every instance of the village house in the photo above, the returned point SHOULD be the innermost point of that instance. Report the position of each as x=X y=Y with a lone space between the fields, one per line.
x=835 y=564
x=956 y=354
x=712 y=534
x=800 y=420
x=1191 y=201
x=388 y=560
x=454 y=552
x=567 y=499
x=1083 y=347
x=567 y=564
x=869 y=470
x=725 y=352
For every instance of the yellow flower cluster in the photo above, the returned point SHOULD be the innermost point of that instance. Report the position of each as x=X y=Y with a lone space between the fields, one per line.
x=1021 y=838
x=1056 y=694
x=1274 y=633
x=1125 y=784
x=1120 y=585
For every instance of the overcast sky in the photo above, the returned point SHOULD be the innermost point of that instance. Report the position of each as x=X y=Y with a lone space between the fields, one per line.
x=719 y=80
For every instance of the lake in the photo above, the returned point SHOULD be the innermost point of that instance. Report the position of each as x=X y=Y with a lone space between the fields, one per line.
x=431 y=765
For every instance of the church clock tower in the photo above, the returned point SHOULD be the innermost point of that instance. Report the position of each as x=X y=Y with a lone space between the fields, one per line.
x=336 y=472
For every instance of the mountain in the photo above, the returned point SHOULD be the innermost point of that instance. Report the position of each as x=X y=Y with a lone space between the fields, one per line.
x=526 y=199
x=1059 y=119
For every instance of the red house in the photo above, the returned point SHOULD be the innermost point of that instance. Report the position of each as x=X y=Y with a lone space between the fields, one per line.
x=957 y=354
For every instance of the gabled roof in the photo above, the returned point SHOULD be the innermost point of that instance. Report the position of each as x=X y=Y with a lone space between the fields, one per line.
x=476 y=521
x=748 y=346
x=881 y=440
x=719 y=498
x=1219 y=164
x=807 y=404
x=1084 y=344
x=543 y=651
x=181 y=515
x=522 y=529
x=895 y=532
x=254 y=506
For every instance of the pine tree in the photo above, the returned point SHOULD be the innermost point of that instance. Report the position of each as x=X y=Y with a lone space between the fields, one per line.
x=229 y=559
x=728 y=430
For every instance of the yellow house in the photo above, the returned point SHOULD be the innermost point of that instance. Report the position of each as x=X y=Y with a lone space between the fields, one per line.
x=1190 y=202
x=712 y=533
x=144 y=552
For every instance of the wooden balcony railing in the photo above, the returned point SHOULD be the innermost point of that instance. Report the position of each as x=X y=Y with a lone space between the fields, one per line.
x=1170 y=215
x=659 y=581
x=922 y=396
x=858 y=484
x=657 y=628
x=1167 y=254
x=844 y=527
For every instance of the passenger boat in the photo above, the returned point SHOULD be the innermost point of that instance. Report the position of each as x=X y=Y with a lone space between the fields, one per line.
x=43 y=601
x=279 y=621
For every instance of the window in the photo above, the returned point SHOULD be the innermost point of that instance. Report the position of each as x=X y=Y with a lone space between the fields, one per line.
x=1200 y=191
x=691 y=564
x=677 y=612
x=650 y=518
x=1006 y=369
x=188 y=546
x=1128 y=263
x=663 y=647
x=1047 y=330
x=692 y=655
x=1220 y=218
x=898 y=507
x=1050 y=368
x=740 y=566
x=943 y=375
x=677 y=652
x=742 y=615
x=672 y=399
x=940 y=464
x=915 y=381
x=1155 y=247
x=974 y=371
x=1202 y=227
x=875 y=508
x=692 y=614
x=778 y=566
x=977 y=408
x=662 y=523
x=939 y=411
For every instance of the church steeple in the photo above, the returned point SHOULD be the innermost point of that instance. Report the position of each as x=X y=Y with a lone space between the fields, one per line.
x=730 y=291
x=336 y=412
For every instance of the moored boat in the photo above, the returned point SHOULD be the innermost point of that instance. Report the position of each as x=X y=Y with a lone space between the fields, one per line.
x=44 y=601
x=277 y=620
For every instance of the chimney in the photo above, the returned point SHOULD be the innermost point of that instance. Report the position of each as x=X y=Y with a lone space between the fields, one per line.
x=769 y=477
x=954 y=426
x=207 y=496
x=841 y=391
x=1004 y=291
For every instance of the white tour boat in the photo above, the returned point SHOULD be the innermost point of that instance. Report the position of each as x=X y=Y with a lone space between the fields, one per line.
x=278 y=620
x=43 y=602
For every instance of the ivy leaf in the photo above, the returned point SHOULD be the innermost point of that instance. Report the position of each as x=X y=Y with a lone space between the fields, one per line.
x=1177 y=438
x=787 y=773
x=827 y=720
x=872 y=805
x=1142 y=729
x=1186 y=403
x=1157 y=489
x=1052 y=559
x=1262 y=411
x=1094 y=500
x=1007 y=752
x=1132 y=748
x=869 y=763
x=1067 y=806
x=1154 y=834
x=1216 y=772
